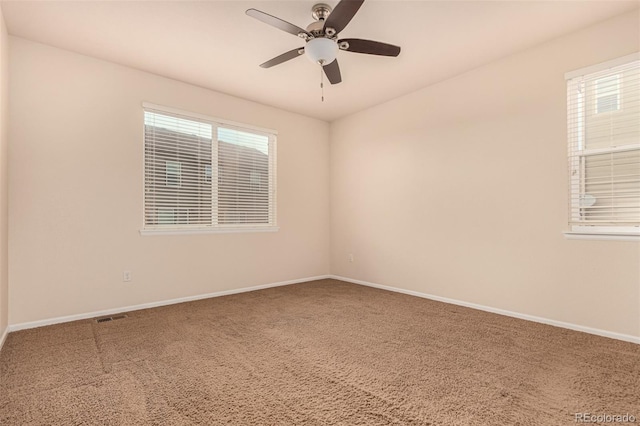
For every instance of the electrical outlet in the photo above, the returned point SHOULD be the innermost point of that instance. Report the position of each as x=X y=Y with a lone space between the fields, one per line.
x=351 y=257
x=126 y=276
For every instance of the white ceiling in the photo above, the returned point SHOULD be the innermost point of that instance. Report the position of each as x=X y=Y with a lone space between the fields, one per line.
x=213 y=44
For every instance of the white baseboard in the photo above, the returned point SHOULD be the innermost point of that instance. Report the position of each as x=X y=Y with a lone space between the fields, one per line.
x=69 y=318
x=3 y=338
x=561 y=324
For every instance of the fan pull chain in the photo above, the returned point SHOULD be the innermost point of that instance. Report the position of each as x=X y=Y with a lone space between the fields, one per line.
x=322 y=83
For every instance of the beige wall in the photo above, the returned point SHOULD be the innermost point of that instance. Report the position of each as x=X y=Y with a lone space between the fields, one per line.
x=457 y=190
x=460 y=190
x=4 y=187
x=75 y=203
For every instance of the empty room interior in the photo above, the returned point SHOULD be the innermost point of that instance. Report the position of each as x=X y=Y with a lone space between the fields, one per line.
x=319 y=212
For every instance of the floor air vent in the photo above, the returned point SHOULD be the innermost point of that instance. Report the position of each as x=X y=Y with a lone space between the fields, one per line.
x=113 y=318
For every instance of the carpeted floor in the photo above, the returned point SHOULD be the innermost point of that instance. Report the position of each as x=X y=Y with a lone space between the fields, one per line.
x=320 y=353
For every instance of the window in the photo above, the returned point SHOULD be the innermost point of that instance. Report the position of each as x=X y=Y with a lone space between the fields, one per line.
x=607 y=92
x=604 y=148
x=166 y=216
x=173 y=173
x=202 y=174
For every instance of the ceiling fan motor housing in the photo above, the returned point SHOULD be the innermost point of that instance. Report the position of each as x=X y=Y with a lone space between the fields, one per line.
x=320 y=13
x=316 y=28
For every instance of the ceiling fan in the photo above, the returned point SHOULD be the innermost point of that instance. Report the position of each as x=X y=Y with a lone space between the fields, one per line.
x=321 y=37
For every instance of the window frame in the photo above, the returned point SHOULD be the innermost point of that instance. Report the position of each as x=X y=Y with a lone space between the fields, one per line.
x=215 y=228
x=576 y=151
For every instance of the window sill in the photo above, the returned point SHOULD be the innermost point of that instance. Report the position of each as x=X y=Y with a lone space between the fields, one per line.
x=606 y=236
x=221 y=230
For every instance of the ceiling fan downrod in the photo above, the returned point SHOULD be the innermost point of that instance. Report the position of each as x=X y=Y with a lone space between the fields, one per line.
x=320 y=11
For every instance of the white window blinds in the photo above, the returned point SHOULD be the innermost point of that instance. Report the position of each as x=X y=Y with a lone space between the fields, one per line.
x=604 y=146
x=203 y=174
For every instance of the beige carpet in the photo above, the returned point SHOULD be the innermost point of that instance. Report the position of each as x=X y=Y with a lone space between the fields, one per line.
x=320 y=353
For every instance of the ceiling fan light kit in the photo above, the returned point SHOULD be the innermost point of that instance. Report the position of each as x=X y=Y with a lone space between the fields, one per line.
x=321 y=51
x=321 y=37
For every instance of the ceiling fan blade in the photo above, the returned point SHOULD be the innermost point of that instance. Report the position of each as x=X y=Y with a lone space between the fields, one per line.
x=332 y=72
x=276 y=22
x=283 y=58
x=342 y=14
x=370 y=47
